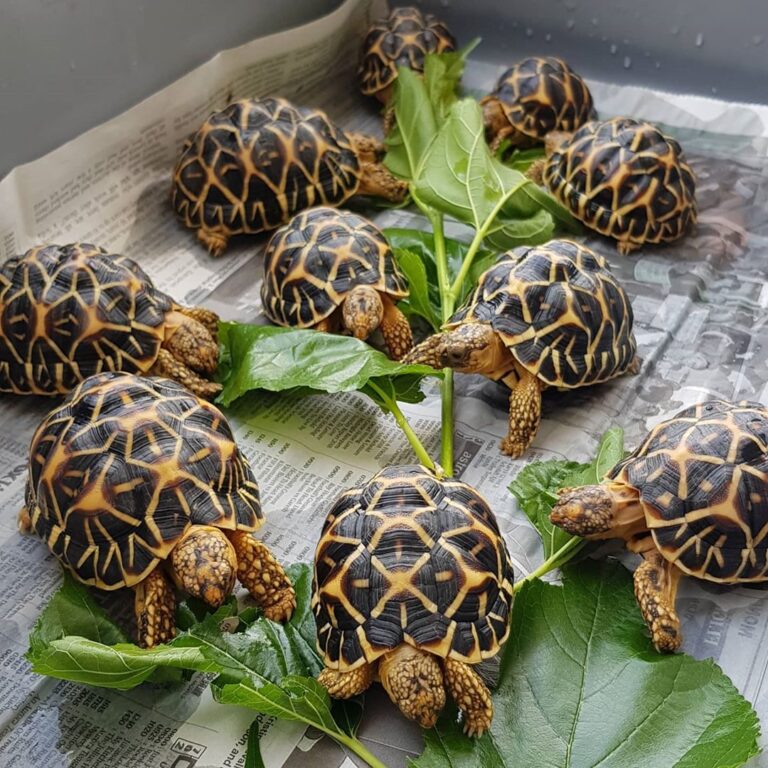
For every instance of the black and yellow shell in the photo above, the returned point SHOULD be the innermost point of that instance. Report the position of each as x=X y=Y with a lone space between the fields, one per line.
x=123 y=467
x=402 y=39
x=560 y=312
x=315 y=260
x=542 y=94
x=253 y=165
x=70 y=311
x=625 y=179
x=703 y=482
x=408 y=558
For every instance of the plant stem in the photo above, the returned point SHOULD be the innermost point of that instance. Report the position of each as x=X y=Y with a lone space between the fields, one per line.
x=447 y=304
x=555 y=560
x=480 y=235
x=393 y=407
x=356 y=746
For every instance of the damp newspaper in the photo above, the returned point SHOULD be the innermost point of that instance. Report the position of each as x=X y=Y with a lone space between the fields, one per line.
x=700 y=312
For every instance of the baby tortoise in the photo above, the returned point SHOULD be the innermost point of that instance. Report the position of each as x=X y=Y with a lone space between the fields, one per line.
x=70 y=311
x=691 y=499
x=329 y=269
x=136 y=482
x=412 y=586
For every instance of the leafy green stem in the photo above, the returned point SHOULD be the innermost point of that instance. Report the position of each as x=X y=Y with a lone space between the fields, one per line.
x=357 y=747
x=393 y=407
x=555 y=560
x=447 y=305
x=480 y=235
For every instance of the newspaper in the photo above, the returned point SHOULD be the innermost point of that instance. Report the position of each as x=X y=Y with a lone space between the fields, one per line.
x=700 y=307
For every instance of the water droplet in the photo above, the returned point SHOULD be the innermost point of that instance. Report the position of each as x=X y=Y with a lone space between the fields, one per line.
x=548 y=37
x=528 y=32
x=72 y=65
x=614 y=48
x=604 y=38
x=595 y=21
x=627 y=62
x=445 y=3
x=758 y=40
x=647 y=54
x=515 y=24
x=657 y=64
x=699 y=40
x=714 y=89
x=675 y=30
x=571 y=23
x=625 y=41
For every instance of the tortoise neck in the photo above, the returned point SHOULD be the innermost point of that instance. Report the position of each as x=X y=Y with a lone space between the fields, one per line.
x=629 y=521
x=375 y=179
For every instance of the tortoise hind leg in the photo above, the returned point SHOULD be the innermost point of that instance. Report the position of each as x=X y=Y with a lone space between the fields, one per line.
x=656 y=582
x=168 y=366
x=155 y=607
x=214 y=241
x=24 y=521
x=471 y=696
x=396 y=330
x=263 y=576
x=524 y=414
x=344 y=685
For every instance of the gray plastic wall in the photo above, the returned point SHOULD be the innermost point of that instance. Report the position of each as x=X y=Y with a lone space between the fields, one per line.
x=67 y=65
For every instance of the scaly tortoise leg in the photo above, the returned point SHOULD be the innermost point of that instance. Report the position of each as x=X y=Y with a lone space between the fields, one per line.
x=24 y=521
x=344 y=685
x=524 y=414
x=155 y=608
x=396 y=330
x=168 y=366
x=263 y=576
x=215 y=241
x=656 y=582
x=324 y=326
x=471 y=696
x=206 y=318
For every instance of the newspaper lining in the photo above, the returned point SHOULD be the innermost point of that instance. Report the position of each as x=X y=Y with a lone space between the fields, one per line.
x=700 y=309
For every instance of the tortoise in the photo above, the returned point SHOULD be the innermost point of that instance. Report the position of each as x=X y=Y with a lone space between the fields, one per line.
x=623 y=178
x=691 y=499
x=542 y=316
x=70 y=311
x=256 y=163
x=328 y=269
x=413 y=585
x=401 y=39
x=538 y=95
x=135 y=479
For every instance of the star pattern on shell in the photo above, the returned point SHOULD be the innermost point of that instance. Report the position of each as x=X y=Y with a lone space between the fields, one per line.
x=68 y=312
x=313 y=262
x=625 y=179
x=123 y=467
x=410 y=558
x=702 y=477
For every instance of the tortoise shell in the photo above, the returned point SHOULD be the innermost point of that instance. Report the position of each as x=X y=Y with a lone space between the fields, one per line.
x=70 y=311
x=624 y=179
x=560 y=312
x=402 y=39
x=253 y=165
x=408 y=558
x=543 y=94
x=315 y=260
x=123 y=467
x=703 y=482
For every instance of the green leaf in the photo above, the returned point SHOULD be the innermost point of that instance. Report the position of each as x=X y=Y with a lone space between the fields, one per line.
x=582 y=686
x=415 y=125
x=422 y=244
x=424 y=298
x=442 y=75
x=306 y=362
x=73 y=611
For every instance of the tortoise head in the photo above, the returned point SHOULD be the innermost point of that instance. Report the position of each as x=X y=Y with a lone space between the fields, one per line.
x=609 y=510
x=362 y=311
x=470 y=347
x=204 y=564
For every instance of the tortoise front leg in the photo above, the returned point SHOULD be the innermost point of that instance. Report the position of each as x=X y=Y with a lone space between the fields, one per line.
x=344 y=685
x=656 y=582
x=263 y=576
x=24 y=521
x=396 y=330
x=155 y=608
x=524 y=413
x=168 y=366
x=208 y=319
x=471 y=696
